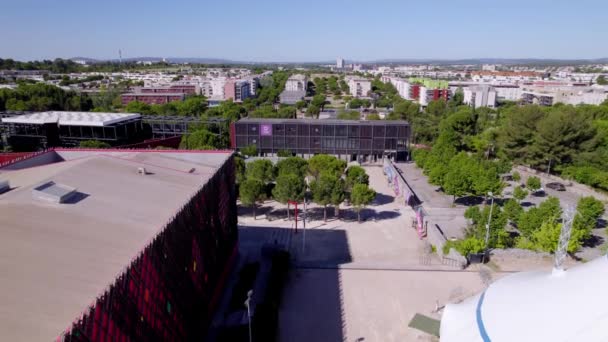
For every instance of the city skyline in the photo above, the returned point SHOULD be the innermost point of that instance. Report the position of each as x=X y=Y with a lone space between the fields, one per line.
x=315 y=31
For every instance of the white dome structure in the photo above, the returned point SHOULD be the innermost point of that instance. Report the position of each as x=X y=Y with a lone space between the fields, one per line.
x=535 y=306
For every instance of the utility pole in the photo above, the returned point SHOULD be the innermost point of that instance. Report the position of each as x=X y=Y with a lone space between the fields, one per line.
x=247 y=302
x=304 y=217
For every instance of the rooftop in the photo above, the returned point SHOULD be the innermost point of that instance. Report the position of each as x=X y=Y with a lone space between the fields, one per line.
x=55 y=259
x=325 y=122
x=71 y=118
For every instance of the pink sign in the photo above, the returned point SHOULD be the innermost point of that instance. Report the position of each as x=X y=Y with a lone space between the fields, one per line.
x=266 y=130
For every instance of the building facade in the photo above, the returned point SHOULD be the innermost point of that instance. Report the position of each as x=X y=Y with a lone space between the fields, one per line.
x=352 y=140
x=480 y=96
x=296 y=83
x=359 y=87
x=152 y=98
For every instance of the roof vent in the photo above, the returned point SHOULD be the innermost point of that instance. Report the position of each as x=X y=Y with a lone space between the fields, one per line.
x=53 y=192
x=142 y=171
x=4 y=186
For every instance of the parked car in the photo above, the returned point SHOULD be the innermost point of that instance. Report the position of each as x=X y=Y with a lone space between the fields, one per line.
x=556 y=186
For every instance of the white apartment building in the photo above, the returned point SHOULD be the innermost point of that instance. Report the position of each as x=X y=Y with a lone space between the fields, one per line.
x=548 y=96
x=340 y=63
x=359 y=87
x=296 y=83
x=480 y=96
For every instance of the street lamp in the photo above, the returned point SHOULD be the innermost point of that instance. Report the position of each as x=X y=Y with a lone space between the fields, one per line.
x=488 y=226
x=247 y=301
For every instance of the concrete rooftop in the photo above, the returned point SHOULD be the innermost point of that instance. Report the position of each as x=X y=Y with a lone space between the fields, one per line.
x=55 y=259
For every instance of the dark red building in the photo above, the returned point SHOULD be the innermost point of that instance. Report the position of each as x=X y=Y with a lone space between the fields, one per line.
x=152 y=98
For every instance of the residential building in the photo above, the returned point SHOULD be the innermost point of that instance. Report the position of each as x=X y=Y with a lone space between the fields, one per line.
x=359 y=87
x=340 y=63
x=548 y=96
x=296 y=83
x=480 y=96
x=152 y=98
x=237 y=90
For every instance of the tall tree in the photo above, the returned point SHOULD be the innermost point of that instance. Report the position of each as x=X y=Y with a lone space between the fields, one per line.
x=289 y=187
x=322 y=190
x=292 y=165
x=360 y=197
x=261 y=170
x=251 y=191
x=325 y=163
x=356 y=175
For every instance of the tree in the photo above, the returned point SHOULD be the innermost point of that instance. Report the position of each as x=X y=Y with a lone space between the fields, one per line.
x=601 y=80
x=516 y=176
x=138 y=107
x=200 y=139
x=261 y=170
x=519 y=194
x=313 y=111
x=289 y=187
x=361 y=196
x=250 y=192
x=338 y=195
x=533 y=183
x=325 y=163
x=356 y=175
x=94 y=144
x=513 y=210
x=287 y=112
x=589 y=210
x=349 y=115
x=457 y=182
x=250 y=151
x=322 y=190
x=292 y=165
x=239 y=168
x=373 y=116
x=284 y=153
x=518 y=131
x=485 y=179
x=318 y=101
x=531 y=220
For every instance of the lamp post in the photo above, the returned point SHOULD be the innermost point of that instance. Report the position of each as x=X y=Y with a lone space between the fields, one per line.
x=488 y=226
x=247 y=301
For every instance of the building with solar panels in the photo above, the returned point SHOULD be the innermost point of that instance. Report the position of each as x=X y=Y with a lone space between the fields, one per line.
x=115 y=245
x=364 y=141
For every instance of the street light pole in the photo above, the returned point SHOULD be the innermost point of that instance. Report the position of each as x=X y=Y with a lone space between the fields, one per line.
x=247 y=301
x=304 y=227
x=488 y=226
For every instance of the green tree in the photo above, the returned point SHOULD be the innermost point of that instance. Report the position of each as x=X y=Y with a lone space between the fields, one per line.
x=261 y=170
x=486 y=179
x=531 y=220
x=356 y=175
x=250 y=151
x=322 y=190
x=373 y=116
x=338 y=195
x=601 y=80
x=200 y=139
x=250 y=192
x=287 y=112
x=516 y=176
x=284 y=153
x=519 y=194
x=313 y=111
x=349 y=115
x=94 y=144
x=300 y=104
x=533 y=183
x=513 y=210
x=360 y=196
x=325 y=163
x=192 y=106
x=589 y=210
x=457 y=181
x=239 y=168
x=138 y=107
x=289 y=187
x=292 y=165
x=318 y=101
x=518 y=131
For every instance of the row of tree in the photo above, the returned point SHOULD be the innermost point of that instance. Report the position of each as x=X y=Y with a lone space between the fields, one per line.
x=324 y=179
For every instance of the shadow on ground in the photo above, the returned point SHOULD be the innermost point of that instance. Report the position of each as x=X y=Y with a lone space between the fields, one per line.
x=312 y=304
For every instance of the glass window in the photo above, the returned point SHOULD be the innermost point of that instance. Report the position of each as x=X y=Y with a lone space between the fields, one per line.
x=328 y=130
x=353 y=131
x=341 y=130
x=379 y=131
x=316 y=130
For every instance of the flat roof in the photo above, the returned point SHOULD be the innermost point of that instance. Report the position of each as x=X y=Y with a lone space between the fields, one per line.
x=72 y=118
x=325 y=121
x=55 y=259
x=154 y=94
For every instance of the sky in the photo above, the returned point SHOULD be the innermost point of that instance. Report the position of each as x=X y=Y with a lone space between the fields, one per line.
x=304 y=30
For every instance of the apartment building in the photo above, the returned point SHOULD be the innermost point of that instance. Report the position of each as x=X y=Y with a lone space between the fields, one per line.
x=359 y=87
x=480 y=96
x=296 y=83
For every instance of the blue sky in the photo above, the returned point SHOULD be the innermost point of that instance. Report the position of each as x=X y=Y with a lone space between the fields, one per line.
x=304 y=30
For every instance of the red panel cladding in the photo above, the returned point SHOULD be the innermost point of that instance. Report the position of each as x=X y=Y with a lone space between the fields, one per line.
x=436 y=94
x=415 y=92
x=232 y=136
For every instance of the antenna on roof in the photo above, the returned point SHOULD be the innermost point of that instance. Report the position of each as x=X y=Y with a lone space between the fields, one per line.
x=564 y=239
x=119 y=56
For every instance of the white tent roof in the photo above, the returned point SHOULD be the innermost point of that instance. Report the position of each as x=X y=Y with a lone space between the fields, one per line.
x=72 y=118
x=535 y=306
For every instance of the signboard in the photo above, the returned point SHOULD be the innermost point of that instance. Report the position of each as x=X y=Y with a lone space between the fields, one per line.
x=266 y=130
